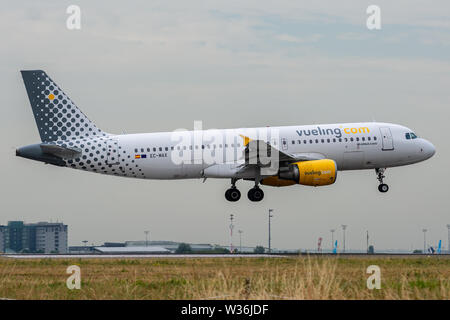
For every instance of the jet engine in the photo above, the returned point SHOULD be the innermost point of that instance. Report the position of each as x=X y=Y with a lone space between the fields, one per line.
x=308 y=173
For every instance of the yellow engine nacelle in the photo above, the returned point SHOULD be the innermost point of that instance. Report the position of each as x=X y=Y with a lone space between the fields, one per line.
x=316 y=172
x=308 y=173
x=274 y=181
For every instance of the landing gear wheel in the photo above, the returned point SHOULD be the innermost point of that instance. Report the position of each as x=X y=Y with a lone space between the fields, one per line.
x=380 y=176
x=255 y=194
x=233 y=194
x=383 y=188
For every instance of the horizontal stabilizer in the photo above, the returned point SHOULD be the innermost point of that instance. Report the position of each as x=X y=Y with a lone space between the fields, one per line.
x=61 y=152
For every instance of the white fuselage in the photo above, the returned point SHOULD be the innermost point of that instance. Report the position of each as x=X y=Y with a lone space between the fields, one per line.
x=352 y=146
x=273 y=156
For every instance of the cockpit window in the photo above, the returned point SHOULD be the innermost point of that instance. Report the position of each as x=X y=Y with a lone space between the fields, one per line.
x=410 y=135
x=413 y=136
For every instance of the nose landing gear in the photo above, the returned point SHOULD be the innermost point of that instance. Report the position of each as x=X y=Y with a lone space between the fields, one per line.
x=380 y=176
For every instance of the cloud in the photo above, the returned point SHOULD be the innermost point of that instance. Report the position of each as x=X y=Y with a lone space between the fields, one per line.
x=354 y=36
x=307 y=39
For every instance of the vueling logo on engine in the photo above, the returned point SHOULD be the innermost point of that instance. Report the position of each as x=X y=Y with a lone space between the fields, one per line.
x=337 y=132
x=308 y=173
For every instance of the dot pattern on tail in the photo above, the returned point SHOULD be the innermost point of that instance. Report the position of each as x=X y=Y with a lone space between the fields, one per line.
x=57 y=116
x=60 y=122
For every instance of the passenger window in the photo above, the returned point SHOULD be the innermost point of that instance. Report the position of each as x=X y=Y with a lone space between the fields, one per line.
x=293 y=141
x=363 y=139
x=148 y=149
x=142 y=149
x=135 y=150
x=368 y=138
x=166 y=148
x=310 y=141
x=322 y=140
x=340 y=139
x=351 y=139
x=375 y=138
x=305 y=142
x=154 y=149
x=357 y=138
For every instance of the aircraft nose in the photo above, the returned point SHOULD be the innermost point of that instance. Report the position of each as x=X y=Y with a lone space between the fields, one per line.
x=428 y=149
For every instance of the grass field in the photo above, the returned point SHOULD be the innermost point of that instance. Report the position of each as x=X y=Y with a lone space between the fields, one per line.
x=227 y=278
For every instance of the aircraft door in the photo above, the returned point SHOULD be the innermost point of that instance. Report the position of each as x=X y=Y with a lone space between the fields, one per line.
x=113 y=152
x=284 y=144
x=387 y=140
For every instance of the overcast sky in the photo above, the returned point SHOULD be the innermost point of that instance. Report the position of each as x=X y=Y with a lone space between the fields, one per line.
x=148 y=66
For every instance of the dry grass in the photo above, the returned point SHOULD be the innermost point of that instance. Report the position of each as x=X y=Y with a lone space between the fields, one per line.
x=236 y=278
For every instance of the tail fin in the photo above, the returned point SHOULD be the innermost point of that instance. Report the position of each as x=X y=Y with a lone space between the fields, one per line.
x=57 y=117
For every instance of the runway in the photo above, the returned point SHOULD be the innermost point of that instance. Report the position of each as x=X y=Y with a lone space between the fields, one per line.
x=211 y=256
x=139 y=256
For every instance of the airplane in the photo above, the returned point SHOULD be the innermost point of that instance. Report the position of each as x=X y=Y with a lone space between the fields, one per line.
x=308 y=155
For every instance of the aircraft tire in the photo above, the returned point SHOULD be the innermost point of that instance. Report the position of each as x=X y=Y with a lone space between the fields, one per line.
x=383 y=188
x=255 y=194
x=232 y=194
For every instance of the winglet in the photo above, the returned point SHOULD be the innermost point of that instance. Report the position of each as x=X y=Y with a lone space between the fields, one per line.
x=246 y=139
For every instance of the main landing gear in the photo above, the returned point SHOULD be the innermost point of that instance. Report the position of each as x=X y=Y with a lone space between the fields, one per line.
x=380 y=176
x=233 y=194
x=255 y=194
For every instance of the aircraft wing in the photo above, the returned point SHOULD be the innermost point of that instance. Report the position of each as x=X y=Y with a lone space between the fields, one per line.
x=256 y=149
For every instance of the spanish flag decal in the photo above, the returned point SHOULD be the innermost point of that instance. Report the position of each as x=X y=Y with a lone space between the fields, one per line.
x=137 y=156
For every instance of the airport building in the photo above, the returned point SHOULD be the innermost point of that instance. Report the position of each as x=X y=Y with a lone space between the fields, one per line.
x=2 y=238
x=41 y=237
x=144 y=247
x=169 y=245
